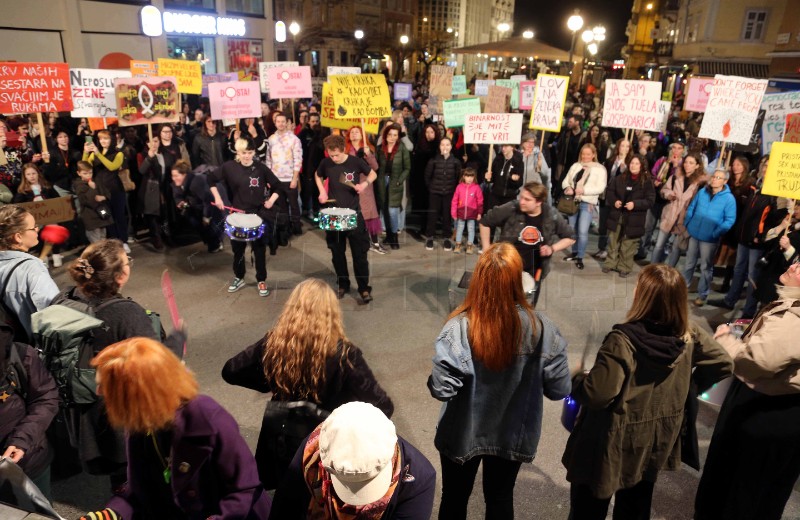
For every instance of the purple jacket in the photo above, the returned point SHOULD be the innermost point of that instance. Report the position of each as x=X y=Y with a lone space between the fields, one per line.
x=213 y=471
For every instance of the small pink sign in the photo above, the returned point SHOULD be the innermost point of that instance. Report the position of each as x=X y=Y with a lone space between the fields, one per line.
x=289 y=82
x=234 y=99
x=526 y=90
x=698 y=90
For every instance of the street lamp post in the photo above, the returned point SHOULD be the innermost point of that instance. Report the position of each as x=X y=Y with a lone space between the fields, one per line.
x=294 y=28
x=574 y=24
x=401 y=66
x=359 y=36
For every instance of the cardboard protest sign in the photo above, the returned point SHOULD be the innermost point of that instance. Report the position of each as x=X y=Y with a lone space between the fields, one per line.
x=441 y=83
x=497 y=100
x=514 y=86
x=328 y=117
x=791 y=130
x=234 y=100
x=93 y=92
x=482 y=86
x=403 y=91
x=143 y=69
x=263 y=66
x=698 y=90
x=50 y=211
x=783 y=172
x=493 y=129
x=362 y=95
x=34 y=87
x=459 y=85
x=550 y=94
x=151 y=100
x=526 y=94
x=732 y=109
x=187 y=72
x=755 y=136
x=632 y=104
x=777 y=107
x=217 y=78
x=455 y=111
x=338 y=71
x=289 y=82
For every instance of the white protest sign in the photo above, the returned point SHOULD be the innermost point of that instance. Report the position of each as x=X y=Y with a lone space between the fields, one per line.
x=518 y=77
x=549 y=97
x=336 y=70
x=632 y=104
x=482 y=86
x=263 y=66
x=777 y=106
x=493 y=129
x=402 y=91
x=234 y=100
x=732 y=109
x=526 y=92
x=93 y=92
x=663 y=110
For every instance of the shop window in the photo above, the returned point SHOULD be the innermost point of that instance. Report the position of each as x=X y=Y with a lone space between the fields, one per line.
x=343 y=57
x=206 y=5
x=194 y=48
x=251 y=7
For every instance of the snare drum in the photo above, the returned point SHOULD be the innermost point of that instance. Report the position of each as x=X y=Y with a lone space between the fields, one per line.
x=337 y=219
x=245 y=227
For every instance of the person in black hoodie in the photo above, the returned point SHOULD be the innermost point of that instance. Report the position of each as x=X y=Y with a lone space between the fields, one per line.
x=193 y=201
x=441 y=177
x=506 y=177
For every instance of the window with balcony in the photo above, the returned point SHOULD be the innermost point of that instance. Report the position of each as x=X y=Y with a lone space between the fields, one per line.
x=251 y=7
x=755 y=25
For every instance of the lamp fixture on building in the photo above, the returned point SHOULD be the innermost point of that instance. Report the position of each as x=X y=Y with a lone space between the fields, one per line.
x=527 y=34
x=358 y=34
x=294 y=28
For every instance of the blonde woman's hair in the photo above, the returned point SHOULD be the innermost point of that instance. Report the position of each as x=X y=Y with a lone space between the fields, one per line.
x=242 y=145
x=307 y=333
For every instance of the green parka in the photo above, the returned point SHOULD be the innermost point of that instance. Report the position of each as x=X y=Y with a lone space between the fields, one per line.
x=401 y=168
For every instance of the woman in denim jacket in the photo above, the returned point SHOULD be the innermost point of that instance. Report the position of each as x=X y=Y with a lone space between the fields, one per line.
x=495 y=358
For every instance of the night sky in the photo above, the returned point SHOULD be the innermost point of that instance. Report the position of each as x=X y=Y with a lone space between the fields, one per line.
x=548 y=19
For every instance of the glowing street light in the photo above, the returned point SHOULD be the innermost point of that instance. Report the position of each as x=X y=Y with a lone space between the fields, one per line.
x=587 y=36
x=404 y=39
x=294 y=28
x=574 y=24
x=527 y=34
x=592 y=48
x=358 y=34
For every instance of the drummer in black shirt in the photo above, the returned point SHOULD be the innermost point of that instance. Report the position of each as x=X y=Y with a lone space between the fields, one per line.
x=252 y=188
x=343 y=171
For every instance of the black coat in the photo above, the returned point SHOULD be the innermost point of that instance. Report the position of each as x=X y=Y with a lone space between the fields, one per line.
x=60 y=171
x=86 y=196
x=442 y=175
x=503 y=186
x=196 y=192
x=641 y=192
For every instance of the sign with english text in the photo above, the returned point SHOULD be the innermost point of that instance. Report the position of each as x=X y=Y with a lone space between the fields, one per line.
x=493 y=129
x=732 y=109
x=234 y=99
x=93 y=92
x=289 y=82
x=632 y=104
x=776 y=107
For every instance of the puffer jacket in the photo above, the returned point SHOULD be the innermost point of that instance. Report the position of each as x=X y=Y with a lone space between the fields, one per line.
x=441 y=175
x=709 y=216
x=467 y=202
x=641 y=192
x=632 y=405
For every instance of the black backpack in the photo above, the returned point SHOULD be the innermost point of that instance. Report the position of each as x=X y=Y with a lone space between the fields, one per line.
x=7 y=315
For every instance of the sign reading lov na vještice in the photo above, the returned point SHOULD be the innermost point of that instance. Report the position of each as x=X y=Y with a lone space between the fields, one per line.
x=783 y=172
x=632 y=104
x=187 y=72
x=550 y=94
x=732 y=109
x=93 y=92
x=455 y=111
x=34 y=87
x=234 y=100
x=142 y=101
x=361 y=95
x=493 y=129
x=328 y=117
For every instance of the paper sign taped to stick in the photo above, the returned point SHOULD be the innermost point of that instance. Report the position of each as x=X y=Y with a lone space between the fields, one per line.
x=50 y=211
x=263 y=66
x=632 y=104
x=187 y=72
x=143 y=69
x=698 y=90
x=777 y=106
x=455 y=111
x=514 y=86
x=526 y=93
x=93 y=92
x=151 y=100
x=732 y=109
x=549 y=97
x=34 y=87
x=441 y=84
x=218 y=78
x=289 y=82
x=459 y=85
x=493 y=129
x=783 y=172
x=338 y=71
x=362 y=95
x=482 y=86
x=234 y=100
x=402 y=91
x=497 y=100
x=328 y=117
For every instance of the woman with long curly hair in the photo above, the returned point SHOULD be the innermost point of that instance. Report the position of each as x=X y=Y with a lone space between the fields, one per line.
x=306 y=356
x=495 y=358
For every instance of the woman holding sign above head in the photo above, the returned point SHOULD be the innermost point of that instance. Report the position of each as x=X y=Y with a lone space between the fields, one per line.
x=107 y=161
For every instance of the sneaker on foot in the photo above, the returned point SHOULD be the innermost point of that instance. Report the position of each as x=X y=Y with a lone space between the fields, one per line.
x=429 y=244
x=571 y=257
x=377 y=248
x=601 y=255
x=236 y=284
x=448 y=245
x=699 y=301
x=470 y=249
x=126 y=248
x=216 y=249
x=458 y=247
x=262 y=289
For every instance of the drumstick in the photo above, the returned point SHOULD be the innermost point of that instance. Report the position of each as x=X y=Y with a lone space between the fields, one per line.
x=234 y=209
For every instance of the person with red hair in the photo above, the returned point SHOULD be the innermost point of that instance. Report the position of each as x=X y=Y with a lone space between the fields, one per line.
x=495 y=358
x=358 y=145
x=187 y=457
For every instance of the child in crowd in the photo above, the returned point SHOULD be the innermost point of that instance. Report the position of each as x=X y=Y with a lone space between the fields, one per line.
x=466 y=208
x=95 y=213
x=34 y=187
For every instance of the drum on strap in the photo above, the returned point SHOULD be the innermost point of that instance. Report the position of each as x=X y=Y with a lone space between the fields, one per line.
x=245 y=227
x=337 y=219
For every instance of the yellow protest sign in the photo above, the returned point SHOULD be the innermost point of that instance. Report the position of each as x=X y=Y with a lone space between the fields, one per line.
x=188 y=74
x=328 y=118
x=360 y=95
x=783 y=172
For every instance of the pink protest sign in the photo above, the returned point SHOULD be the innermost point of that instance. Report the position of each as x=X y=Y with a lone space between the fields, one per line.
x=526 y=90
x=234 y=99
x=289 y=82
x=698 y=90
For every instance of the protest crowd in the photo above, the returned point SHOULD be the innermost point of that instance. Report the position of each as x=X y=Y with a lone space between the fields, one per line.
x=486 y=177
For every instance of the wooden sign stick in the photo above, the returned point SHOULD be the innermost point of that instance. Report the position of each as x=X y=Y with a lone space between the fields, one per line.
x=491 y=153
x=149 y=132
x=41 y=134
x=363 y=135
x=280 y=105
x=541 y=151
x=790 y=208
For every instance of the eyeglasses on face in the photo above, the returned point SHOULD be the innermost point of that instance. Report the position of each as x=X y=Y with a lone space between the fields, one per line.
x=34 y=228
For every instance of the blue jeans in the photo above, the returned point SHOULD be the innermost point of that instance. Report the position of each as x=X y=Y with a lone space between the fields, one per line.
x=580 y=221
x=394 y=213
x=704 y=251
x=460 y=223
x=746 y=263
x=658 y=251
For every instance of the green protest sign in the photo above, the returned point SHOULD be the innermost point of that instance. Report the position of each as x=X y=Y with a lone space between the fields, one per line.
x=456 y=111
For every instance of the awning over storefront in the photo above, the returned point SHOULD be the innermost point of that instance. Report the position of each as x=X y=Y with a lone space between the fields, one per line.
x=732 y=68
x=519 y=46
